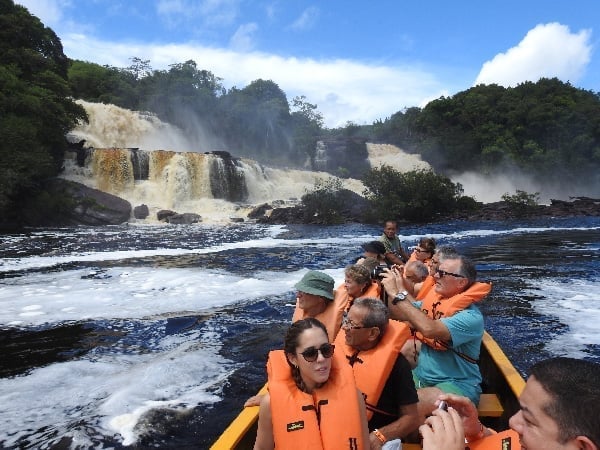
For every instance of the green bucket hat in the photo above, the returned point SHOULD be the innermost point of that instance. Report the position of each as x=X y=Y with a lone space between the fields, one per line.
x=316 y=283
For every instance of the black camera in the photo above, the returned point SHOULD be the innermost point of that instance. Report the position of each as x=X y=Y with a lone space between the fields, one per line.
x=377 y=271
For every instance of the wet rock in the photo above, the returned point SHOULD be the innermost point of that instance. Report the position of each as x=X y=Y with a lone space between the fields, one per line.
x=89 y=206
x=260 y=211
x=141 y=212
x=164 y=214
x=184 y=219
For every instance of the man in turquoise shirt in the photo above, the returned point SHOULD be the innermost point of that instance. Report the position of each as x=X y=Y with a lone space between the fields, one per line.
x=451 y=370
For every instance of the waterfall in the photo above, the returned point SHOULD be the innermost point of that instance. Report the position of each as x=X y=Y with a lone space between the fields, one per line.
x=126 y=156
x=393 y=156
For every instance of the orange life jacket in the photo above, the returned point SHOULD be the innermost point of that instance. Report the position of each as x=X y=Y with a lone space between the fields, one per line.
x=342 y=298
x=435 y=307
x=373 y=367
x=331 y=317
x=427 y=285
x=328 y=419
x=505 y=440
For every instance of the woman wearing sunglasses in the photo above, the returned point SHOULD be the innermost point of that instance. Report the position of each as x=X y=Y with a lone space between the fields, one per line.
x=313 y=401
x=424 y=250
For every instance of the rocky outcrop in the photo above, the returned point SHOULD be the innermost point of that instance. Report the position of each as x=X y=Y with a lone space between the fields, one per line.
x=89 y=206
x=355 y=209
x=577 y=206
x=358 y=208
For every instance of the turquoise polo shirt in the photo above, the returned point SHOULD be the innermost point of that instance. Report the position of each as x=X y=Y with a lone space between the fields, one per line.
x=445 y=366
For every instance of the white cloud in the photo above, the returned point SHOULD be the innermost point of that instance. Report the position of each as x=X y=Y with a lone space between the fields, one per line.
x=242 y=40
x=343 y=90
x=211 y=12
x=548 y=51
x=48 y=11
x=306 y=20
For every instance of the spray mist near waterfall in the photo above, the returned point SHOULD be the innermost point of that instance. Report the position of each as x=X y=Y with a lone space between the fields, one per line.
x=145 y=161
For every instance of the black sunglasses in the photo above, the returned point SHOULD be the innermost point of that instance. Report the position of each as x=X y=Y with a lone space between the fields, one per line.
x=346 y=323
x=311 y=353
x=444 y=273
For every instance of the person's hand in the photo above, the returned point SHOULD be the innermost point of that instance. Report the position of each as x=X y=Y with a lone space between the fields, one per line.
x=391 y=280
x=374 y=443
x=443 y=430
x=466 y=410
x=254 y=400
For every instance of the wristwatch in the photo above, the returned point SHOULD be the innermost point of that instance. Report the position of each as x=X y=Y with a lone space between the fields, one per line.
x=399 y=297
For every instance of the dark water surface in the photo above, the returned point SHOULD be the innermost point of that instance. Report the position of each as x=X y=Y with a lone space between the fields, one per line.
x=204 y=303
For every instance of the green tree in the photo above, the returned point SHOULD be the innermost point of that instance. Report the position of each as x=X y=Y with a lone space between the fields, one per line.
x=257 y=119
x=104 y=84
x=307 y=126
x=521 y=202
x=321 y=203
x=417 y=195
x=36 y=110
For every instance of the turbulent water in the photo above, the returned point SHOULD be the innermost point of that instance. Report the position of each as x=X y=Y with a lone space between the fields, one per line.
x=153 y=336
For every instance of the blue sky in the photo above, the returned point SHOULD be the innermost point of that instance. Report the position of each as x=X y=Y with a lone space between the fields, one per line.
x=357 y=61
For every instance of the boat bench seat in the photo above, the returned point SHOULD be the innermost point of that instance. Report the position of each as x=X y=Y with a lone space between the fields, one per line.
x=489 y=406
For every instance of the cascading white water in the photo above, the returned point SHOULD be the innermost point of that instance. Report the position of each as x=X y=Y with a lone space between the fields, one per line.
x=179 y=179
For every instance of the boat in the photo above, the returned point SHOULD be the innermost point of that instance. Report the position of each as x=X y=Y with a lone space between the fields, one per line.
x=502 y=385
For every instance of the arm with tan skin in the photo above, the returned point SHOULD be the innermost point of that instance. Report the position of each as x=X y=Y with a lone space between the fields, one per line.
x=264 y=434
x=416 y=288
x=393 y=283
x=403 y=426
x=392 y=258
x=254 y=400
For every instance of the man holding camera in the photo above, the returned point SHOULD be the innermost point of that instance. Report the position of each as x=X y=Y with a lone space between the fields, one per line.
x=450 y=326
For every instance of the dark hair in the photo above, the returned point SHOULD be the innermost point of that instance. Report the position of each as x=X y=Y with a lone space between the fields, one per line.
x=377 y=313
x=427 y=244
x=574 y=387
x=290 y=343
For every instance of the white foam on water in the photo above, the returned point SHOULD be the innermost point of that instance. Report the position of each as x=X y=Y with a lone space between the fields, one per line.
x=37 y=261
x=573 y=303
x=111 y=392
x=129 y=293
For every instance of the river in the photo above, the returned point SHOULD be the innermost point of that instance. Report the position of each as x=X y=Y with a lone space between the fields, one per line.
x=152 y=336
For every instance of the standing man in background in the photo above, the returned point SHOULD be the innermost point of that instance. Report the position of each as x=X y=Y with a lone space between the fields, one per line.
x=394 y=252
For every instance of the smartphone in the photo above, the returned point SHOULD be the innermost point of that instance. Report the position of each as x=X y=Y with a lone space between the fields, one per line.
x=443 y=405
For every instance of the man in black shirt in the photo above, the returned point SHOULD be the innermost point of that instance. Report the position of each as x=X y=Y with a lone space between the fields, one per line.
x=371 y=344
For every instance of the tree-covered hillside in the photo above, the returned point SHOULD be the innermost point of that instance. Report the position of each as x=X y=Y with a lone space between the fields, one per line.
x=36 y=110
x=255 y=121
x=548 y=128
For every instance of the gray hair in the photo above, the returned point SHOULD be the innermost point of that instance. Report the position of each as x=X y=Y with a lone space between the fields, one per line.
x=377 y=313
x=420 y=269
x=466 y=269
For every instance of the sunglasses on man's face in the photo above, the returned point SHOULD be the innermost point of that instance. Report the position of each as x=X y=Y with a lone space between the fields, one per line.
x=443 y=273
x=312 y=353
